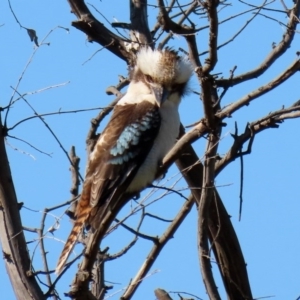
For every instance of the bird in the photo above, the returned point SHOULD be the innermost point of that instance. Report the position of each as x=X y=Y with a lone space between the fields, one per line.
x=143 y=127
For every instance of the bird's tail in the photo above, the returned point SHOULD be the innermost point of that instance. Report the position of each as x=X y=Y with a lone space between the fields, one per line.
x=82 y=212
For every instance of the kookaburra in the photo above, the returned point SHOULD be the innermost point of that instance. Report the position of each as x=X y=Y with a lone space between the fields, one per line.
x=143 y=128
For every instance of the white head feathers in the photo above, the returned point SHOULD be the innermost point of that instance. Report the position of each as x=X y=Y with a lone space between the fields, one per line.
x=164 y=65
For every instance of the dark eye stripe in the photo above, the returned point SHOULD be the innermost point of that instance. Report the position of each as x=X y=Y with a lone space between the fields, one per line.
x=149 y=78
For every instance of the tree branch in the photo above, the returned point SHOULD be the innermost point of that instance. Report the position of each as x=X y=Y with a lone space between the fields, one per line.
x=139 y=23
x=96 y=31
x=223 y=239
x=273 y=56
x=270 y=121
x=156 y=249
x=211 y=61
x=291 y=70
x=17 y=261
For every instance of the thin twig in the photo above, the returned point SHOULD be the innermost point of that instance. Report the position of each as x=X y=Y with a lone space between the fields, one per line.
x=48 y=127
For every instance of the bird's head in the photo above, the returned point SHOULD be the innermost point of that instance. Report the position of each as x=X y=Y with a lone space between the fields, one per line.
x=164 y=72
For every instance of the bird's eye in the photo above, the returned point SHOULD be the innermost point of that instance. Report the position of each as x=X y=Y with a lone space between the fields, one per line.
x=149 y=78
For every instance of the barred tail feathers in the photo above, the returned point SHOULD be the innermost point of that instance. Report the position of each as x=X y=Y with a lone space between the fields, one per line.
x=82 y=212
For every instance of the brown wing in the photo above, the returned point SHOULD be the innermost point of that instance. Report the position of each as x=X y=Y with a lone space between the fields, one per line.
x=121 y=149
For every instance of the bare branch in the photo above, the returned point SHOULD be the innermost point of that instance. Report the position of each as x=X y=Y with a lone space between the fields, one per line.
x=12 y=237
x=139 y=23
x=24 y=71
x=168 y=25
x=238 y=32
x=291 y=70
x=95 y=122
x=29 y=144
x=51 y=114
x=275 y=53
x=211 y=61
x=272 y=120
x=156 y=249
x=203 y=216
x=48 y=127
x=184 y=142
x=221 y=232
x=96 y=31
x=43 y=251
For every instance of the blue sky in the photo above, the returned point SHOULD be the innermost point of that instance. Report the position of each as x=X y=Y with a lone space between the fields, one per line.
x=271 y=213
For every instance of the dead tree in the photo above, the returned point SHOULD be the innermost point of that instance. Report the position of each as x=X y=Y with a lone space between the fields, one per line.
x=216 y=235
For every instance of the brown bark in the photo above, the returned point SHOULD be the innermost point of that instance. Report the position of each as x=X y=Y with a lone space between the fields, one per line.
x=221 y=233
x=15 y=253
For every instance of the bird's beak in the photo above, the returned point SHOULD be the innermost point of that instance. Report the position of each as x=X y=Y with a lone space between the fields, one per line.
x=160 y=93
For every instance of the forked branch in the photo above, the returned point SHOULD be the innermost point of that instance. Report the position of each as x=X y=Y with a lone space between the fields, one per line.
x=276 y=52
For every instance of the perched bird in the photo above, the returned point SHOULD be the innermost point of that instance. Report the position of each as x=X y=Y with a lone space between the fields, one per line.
x=143 y=128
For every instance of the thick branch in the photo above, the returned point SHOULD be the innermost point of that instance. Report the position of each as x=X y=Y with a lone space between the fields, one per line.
x=228 y=252
x=96 y=31
x=203 y=216
x=17 y=261
x=168 y=25
x=212 y=59
x=139 y=22
x=222 y=235
x=185 y=141
x=175 y=28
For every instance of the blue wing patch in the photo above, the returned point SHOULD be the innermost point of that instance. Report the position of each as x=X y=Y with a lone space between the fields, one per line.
x=130 y=141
